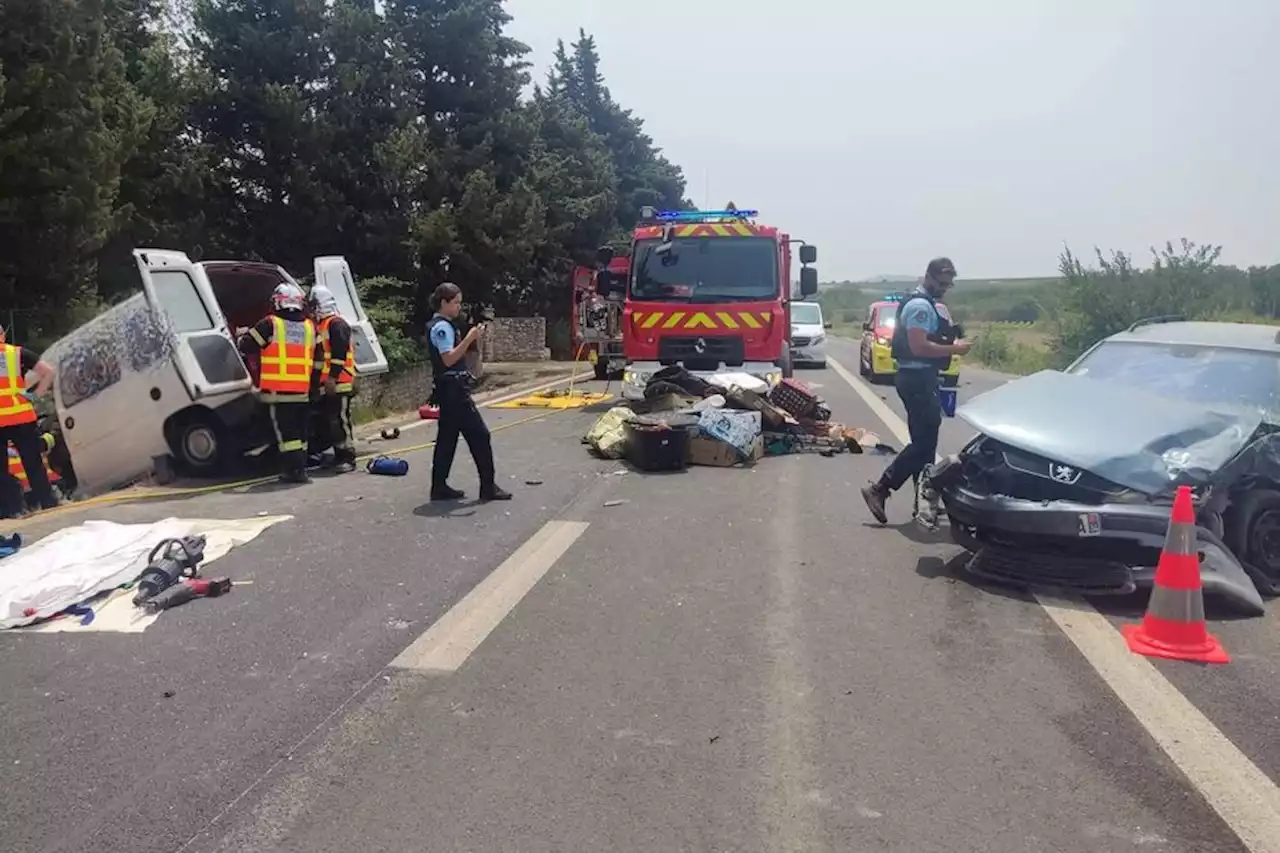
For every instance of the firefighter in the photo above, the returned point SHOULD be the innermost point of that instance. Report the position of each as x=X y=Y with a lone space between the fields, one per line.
x=334 y=380
x=452 y=393
x=285 y=343
x=19 y=473
x=18 y=414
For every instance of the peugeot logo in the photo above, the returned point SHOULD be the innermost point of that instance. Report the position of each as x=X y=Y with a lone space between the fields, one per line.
x=1063 y=474
x=700 y=346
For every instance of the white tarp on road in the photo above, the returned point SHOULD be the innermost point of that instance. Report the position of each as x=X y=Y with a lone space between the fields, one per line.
x=73 y=565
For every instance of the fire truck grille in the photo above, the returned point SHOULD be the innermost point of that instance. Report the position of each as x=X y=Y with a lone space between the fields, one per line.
x=725 y=349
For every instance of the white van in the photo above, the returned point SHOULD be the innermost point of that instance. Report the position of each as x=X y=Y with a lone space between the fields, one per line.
x=160 y=373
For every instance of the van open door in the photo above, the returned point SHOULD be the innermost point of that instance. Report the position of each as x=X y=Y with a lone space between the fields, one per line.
x=206 y=355
x=335 y=273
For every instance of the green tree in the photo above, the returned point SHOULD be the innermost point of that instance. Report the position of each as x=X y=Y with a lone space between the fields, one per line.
x=645 y=177
x=69 y=120
x=263 y=62
x=161 y=198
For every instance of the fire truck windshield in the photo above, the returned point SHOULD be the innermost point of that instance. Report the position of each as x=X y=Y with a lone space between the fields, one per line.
x=705 y=269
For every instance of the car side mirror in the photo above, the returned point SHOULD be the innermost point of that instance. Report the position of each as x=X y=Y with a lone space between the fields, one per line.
x=808 y=281
x=808 y=254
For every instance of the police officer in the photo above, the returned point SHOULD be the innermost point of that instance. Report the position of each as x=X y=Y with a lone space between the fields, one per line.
x=286 y=342
x=921 y=335
x=18 y=420
x=334 y=379
x=452 y=393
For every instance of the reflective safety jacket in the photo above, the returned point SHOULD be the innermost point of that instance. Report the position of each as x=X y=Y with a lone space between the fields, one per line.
x=20 y=474
x=347 y=370
x=288 y=357
x=15 y=407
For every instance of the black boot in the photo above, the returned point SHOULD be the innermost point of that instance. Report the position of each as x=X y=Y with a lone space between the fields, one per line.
x=443 y=492
x=492 y=492
x=875 y=494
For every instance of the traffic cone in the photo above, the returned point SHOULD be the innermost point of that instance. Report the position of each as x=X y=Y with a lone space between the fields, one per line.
x=1174 y=625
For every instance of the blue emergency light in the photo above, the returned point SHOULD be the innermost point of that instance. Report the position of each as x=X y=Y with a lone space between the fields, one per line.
x=894 y=297
x=703 y=215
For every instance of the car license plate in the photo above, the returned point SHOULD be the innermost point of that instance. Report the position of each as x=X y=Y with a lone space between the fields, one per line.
x=1090 y=524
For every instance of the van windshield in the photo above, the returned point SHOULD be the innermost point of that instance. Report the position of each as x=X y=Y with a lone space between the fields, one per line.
x=806 y=314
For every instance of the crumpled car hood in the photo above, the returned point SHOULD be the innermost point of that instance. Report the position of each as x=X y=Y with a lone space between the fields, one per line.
x=1135 y=439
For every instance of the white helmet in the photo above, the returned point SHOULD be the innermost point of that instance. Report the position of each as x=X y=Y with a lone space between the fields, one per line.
x=287 y=297
x=322 y=300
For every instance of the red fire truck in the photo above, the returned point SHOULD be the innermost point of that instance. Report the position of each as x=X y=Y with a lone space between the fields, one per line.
x=708 y=290
x=597 y=319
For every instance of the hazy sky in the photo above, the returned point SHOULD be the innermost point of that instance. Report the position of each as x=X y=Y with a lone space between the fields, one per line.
x=890 y=132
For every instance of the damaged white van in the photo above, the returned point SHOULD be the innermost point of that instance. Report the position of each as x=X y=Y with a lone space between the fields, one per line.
x=160 y=373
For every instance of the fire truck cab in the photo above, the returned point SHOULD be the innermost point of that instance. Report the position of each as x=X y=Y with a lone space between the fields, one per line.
x=707 y=290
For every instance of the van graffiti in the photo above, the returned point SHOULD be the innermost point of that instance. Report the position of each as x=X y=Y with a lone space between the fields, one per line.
x=132 y=334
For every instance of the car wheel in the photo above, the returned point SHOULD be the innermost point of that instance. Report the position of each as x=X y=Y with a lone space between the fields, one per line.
x=602 y=369
x=788 y=368
x=863 y=367
x=1253 y=535
x=197 y=441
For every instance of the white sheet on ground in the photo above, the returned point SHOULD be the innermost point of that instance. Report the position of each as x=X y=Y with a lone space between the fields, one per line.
x=74 y=564
x=745 y=381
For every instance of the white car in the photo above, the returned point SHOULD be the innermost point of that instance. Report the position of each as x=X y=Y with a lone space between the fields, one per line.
x=808 y=335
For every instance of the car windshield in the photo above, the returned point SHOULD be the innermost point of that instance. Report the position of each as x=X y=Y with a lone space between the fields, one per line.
x=885 y=316
x=1214 y=377
x=705 y=269
x=806 y=314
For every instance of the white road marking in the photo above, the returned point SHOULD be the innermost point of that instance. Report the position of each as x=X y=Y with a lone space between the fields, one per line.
x=1246 y=799
x=448 y=643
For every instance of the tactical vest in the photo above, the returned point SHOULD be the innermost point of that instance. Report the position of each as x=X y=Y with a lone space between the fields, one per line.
x=347 y=371
x=900 y=347
x=288 y=358
x=438 y=367
x=15 y=407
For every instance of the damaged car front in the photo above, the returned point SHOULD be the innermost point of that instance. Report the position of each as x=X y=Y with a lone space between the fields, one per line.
x=1070 y=482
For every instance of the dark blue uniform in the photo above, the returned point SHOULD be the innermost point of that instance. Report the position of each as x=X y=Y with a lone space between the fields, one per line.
x=458 y=417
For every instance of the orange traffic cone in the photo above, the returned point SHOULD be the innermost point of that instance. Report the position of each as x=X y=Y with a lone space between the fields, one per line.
x=1174 y=625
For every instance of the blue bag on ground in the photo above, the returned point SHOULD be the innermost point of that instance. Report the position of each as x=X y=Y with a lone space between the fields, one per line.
x=388 y=466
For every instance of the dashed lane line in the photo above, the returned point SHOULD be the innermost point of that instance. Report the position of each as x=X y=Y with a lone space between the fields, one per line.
x=1246 y=799
x=454 y=637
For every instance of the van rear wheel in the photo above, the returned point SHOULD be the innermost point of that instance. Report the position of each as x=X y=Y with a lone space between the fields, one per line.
x=197 y=443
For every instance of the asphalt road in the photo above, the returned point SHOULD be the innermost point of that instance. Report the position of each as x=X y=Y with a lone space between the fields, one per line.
x=721 y=660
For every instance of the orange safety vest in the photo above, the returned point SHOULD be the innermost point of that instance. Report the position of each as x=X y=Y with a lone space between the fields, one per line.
x=288 y=358
x=347 y=374
x=15 y=407
x=20 y=474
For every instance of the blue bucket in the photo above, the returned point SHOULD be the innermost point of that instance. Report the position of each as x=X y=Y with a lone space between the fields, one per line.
x=947 y=396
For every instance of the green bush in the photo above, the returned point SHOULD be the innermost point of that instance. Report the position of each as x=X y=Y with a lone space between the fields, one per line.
x=389 y=304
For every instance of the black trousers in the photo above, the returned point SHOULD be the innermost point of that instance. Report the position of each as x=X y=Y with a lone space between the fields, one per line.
x=460 y=417
x=291 y=420
x=918 y=390
x=335 y=428
x=26 y=440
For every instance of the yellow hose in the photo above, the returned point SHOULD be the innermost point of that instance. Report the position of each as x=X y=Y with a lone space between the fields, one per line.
x=126 y=497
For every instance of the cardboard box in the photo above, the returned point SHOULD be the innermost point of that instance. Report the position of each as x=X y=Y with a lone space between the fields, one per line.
x=705 y=450
x=735 y=428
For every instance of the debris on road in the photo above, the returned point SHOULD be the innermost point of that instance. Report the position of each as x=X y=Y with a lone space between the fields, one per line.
x=388 y=466
x=685 y=420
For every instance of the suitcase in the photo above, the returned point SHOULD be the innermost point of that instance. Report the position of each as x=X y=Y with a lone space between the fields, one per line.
x=656 y=444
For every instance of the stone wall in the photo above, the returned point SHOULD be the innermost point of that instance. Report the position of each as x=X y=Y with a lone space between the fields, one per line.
x=517 y=339
x=396 y=392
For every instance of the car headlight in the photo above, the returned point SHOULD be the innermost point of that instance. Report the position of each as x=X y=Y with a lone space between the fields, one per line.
x=818 y=340
x=635 y=377
x=773 y=378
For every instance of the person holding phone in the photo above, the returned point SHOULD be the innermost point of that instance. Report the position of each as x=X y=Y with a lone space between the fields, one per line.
x=459 y=415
